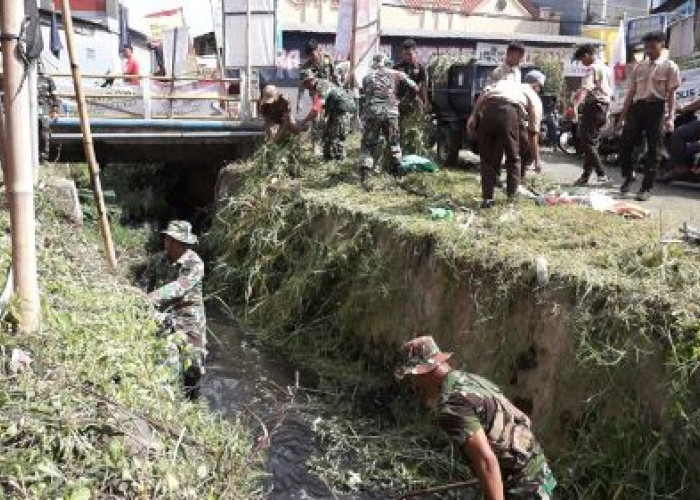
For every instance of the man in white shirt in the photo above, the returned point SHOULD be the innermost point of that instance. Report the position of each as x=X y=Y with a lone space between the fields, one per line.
x=594 y=101
x=509 y=69
x=497 y=120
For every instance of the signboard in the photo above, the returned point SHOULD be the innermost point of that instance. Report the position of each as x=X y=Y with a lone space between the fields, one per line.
x=640 y=26
x=495 y=53
x=94 y=10
x=165 y=20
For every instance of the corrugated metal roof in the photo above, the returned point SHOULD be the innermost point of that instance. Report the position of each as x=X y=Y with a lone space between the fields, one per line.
x=462 y=35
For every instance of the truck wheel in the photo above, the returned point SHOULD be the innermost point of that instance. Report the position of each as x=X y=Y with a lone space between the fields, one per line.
x=447 y=147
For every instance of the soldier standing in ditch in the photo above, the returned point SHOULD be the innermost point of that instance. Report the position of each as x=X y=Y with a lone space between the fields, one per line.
x=381 y=115
x=413 y=104
x=336 y=105
x=483 y=424
x=174 y=280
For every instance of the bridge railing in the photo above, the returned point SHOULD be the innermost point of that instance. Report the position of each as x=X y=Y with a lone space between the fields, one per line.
x=154 y=97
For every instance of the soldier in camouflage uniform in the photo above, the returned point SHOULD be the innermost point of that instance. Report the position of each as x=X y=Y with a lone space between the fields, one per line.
x=337 y=104
x=413 y=105
x=483 y=423
x=321 y=65
x=174 y=279
x=49 y=106
x=381 y=114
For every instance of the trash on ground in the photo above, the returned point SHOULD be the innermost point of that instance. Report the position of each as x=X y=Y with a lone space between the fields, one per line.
x=439 y=213
x=415 y=163
x=597 y=201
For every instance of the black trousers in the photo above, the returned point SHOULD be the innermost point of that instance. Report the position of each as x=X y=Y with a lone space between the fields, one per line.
x=499 y=133
x=593 y=117
x=645 y=118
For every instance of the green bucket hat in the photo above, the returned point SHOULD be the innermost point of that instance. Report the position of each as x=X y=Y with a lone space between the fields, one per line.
x=181 y=231
x=423 y=356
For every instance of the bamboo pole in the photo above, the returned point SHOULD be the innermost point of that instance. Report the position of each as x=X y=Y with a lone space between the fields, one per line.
x=248 y=64
x=19 y=171
x=87 y=137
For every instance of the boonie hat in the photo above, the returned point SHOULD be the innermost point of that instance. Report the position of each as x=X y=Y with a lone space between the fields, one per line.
x=423 y=356
x=181 y=231
x=269 y=94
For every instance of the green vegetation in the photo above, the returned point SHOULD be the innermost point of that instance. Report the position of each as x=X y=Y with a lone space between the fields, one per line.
x=97 y=416
x=322 y=268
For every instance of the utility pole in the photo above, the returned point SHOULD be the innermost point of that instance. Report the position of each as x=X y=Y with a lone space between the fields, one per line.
x=19 y=168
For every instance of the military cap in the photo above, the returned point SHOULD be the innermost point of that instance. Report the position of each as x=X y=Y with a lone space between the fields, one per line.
x=422 y=356
x=181 y=231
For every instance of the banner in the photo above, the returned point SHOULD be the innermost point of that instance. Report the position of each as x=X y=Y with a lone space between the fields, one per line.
x=217 y=14
x=366 y=36
x=343 y=35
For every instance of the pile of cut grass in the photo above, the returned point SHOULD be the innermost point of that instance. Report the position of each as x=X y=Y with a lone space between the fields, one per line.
x=97 y=416
x=302 y=279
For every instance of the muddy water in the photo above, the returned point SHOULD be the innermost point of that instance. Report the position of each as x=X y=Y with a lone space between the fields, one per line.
x=243 y=381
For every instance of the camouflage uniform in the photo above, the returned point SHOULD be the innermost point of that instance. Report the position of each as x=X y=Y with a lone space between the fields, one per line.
x=381 y=114
x=48 y=104
x=323 y=70
x=411 y=110
x=176 y=290
x=469 y=403
x=337 y=105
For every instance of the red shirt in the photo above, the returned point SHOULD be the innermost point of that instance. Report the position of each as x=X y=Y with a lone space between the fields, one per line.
x=132 y=68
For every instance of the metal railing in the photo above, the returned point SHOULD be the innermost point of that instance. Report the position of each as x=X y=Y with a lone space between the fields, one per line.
x=230 y=103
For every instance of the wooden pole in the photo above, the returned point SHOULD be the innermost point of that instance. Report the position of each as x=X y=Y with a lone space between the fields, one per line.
x=173 y=66
x=19 y=171
x=248 y=64
x=87 y=136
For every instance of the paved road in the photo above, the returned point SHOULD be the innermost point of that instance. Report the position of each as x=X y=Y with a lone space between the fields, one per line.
x=671 y=204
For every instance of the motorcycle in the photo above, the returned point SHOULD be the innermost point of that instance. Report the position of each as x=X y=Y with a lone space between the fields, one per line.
x=667 y=172
x=549 y=128
x=610 y=138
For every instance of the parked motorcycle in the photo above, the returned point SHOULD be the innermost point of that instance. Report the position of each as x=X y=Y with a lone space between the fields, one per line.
x=667 y=172
x=610 y=138
x=549 y=128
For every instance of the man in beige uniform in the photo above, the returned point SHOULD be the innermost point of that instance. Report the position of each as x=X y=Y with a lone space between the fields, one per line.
x=650 y=107
x=509 y=69
x=497 y=120
x=594 y=100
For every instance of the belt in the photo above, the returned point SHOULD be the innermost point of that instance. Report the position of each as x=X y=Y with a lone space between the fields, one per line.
x=651 y=100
